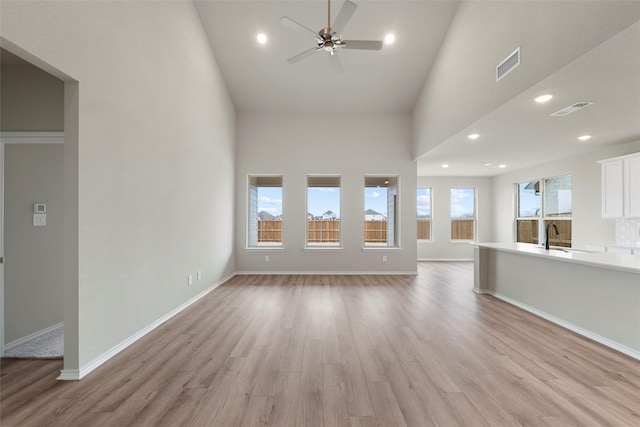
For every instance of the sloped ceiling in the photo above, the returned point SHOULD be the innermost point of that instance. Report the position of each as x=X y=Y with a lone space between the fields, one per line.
x=260 y=79
x=441 y=69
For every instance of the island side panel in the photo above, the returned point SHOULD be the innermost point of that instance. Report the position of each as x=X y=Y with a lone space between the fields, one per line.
x=600 y=301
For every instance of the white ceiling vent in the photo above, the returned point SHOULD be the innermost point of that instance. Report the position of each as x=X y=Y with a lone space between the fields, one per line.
x=508 y=65
x=571 y=109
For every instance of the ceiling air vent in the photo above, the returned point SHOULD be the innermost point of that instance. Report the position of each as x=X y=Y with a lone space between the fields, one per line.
x=571 y=109
x=506 y=66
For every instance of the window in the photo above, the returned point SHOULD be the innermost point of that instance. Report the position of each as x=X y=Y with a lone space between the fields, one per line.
x=463 y=214
x=541 y=203
x=380 y=210
x=323 y=211
x=265 y=211
x=529 y=212
x=423 y=204
x=557 y=209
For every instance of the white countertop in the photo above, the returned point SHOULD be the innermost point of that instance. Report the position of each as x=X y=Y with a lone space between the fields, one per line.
x=616 y=261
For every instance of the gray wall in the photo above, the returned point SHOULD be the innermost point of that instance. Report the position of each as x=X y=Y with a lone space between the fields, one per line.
x=441 y=247
x=354 y=145
x=33 y=274
x=32 y=100
x=588 y=226
x=155 y=159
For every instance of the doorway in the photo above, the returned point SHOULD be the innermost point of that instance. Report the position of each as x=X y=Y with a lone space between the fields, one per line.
x=49 y=214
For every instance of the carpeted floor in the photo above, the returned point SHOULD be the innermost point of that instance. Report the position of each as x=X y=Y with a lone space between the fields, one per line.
x=47 y=346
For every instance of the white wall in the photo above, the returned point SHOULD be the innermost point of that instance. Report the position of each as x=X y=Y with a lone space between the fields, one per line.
x=587 y=224
x=461 y=86
x=155 y=153
x=350 y=145
x=441 y=247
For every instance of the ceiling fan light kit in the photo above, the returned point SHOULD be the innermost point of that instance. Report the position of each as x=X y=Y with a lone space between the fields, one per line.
x=330 y=38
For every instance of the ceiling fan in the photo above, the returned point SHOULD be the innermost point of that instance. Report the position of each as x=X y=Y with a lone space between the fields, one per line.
x=329 y=38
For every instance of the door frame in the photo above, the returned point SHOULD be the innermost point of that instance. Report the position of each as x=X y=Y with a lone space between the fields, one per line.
x=71 y=368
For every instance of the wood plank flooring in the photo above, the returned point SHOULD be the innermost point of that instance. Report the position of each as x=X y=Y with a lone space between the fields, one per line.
x=357 y=351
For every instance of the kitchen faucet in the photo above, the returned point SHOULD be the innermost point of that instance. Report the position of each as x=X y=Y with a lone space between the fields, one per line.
x=546 y=243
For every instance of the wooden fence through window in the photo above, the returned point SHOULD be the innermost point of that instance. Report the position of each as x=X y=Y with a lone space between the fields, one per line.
x=424 y=229
x=269 y=231
x=463 y=229
x=375 y=231
x=321 y=231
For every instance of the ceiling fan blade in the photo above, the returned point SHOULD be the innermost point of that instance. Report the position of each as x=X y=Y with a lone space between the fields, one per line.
x=303 y=55
x=362 y=44
x=343 y=17
x=291 y=24
x=336 y=63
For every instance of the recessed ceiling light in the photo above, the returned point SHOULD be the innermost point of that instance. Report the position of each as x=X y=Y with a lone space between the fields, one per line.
x=488 y=164
x=445 y=166
x=473 y=136
x=389 y=38
x=543 y=98
x=502 y=166
x=584 y=137
x=262 y=38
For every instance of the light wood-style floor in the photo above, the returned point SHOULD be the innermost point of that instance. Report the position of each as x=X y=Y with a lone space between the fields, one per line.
x=340 y=351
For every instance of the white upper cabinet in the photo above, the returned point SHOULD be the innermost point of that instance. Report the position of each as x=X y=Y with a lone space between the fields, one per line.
x=632 y=189
x=621 y=187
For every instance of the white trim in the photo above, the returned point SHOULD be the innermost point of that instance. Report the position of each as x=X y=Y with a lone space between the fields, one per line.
x=445 y=259
x=323 y=248
x=73 y=374
x=32 y=137
x=382 y=249
x=32 y=336
x=265 y=248
x=327 y=273
x=570 y=326
x=69 y=375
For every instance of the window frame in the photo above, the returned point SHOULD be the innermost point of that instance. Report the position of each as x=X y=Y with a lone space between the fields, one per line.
x=319 y=247
x=430 y=239
x=393 y=215
x=252 y=216
x=543 y=218
x=537 y=218
x=474 y=219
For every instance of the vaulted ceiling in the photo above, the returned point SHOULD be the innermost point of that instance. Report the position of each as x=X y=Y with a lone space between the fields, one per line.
x=583 y=61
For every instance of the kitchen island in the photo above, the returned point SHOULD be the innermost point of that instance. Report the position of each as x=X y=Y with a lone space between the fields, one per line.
x=594 y=294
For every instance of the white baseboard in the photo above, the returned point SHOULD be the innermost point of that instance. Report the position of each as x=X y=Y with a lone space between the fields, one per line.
x=444 y=259
x=32 y=336
x=570 y=326
x=327 y=273
x=75 y=374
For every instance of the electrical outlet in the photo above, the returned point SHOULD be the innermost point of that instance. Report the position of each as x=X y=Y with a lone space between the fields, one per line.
x=190 y=279
x=384 y=258
x=266 y=258
x=199 y=275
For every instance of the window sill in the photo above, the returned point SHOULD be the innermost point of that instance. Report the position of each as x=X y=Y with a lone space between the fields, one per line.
x=381 y=249
x=462 y=242
x=322 y=248
x=264 y=248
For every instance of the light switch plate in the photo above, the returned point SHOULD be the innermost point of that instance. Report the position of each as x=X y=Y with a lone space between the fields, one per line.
x=39 y=220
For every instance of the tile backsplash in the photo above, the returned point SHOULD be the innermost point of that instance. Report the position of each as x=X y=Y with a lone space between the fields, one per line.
x=628 y=232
